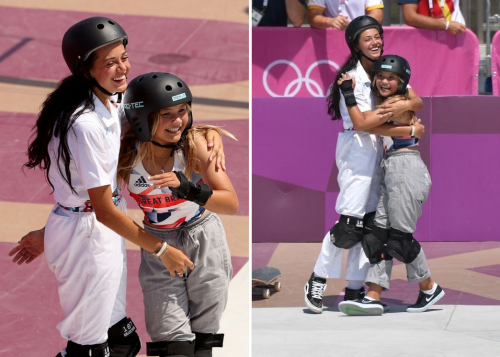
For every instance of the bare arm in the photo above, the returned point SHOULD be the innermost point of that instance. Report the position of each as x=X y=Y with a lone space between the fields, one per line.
x=387 y=129
x=223 y=199
x=296 y=12
x=366 y=120
x=397 y=107
x=216 y=149
x=360 y=120
x=109 y=215
x=377 y=14
x=29 y=247
x=32 y=245
x=319 y=21
x=413 y=18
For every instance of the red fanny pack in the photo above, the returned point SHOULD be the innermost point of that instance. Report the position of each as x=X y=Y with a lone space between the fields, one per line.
x=432 y=8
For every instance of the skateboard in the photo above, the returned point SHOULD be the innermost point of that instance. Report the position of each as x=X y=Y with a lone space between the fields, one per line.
x=263 y=279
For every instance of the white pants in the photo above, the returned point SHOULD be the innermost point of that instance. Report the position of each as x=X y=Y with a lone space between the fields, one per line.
x=89 y=262
x=329 y=263
x=358 y=156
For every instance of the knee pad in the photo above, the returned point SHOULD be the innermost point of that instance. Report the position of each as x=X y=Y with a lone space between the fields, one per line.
x=206 y=341
x=77 y=350
x=374 y=244
x=368 y=222
x=165 y=348
x=347 y=232
x=123 y=339
x=403 y=246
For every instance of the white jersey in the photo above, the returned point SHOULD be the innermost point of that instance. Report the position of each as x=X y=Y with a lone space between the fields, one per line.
x=94 y=143
x=349 y=8
x=160 y=207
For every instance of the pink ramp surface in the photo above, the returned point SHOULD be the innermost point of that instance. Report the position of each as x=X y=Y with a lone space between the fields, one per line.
x=200 y=52
x=30 y=309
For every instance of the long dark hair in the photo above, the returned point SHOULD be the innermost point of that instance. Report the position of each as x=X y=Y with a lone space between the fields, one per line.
x=333 y=99
x=56 y=119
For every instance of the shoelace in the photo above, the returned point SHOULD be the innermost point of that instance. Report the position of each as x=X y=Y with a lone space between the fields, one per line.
x=317 y=290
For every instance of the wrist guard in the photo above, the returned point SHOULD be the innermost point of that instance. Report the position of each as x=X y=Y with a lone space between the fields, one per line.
x=198 y=194
x=348 y=92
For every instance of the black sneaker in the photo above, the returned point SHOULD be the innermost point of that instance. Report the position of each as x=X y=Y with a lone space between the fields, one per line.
x=363 y=307
x=425 y=301
x=313 y=293
x=353 y=294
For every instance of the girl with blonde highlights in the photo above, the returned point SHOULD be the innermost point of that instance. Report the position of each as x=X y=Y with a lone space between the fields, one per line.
x=167 y=170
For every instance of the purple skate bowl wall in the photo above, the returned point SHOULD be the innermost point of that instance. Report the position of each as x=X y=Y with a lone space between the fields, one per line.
x=294 y=184
x=303 y=62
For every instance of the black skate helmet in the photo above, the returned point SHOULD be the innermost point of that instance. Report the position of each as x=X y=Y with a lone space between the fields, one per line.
x=395 y=64
x=149 y=93
x=355 y=27
x=89 y=35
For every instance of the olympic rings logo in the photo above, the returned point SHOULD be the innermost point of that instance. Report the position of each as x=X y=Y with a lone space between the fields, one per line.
x=312 y=86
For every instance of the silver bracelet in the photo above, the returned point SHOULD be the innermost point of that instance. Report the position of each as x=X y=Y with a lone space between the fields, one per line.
x=161 y=250
x=412 y=132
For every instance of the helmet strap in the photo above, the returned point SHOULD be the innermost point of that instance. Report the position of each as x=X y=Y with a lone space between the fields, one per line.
x=178 y=145
x=94 y=82
x=368 y=58
x=168 y=146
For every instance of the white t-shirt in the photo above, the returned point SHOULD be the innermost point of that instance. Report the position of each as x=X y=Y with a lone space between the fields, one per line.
x=94 y=144
x=362 y=93
x=349 y=8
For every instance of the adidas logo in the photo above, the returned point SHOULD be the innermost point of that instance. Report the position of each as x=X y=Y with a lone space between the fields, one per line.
x=141 y=182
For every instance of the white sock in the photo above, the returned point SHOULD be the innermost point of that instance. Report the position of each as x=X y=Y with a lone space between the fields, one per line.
x=355 y=284
x=431 y=291
x=370 y=298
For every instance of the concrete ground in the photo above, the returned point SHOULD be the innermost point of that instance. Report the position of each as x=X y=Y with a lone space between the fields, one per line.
x=207 y=45
x=463 y=323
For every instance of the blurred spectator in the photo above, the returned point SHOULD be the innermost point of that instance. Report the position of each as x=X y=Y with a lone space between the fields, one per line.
x=277 y=12
x=434 y=15
x=337 y=14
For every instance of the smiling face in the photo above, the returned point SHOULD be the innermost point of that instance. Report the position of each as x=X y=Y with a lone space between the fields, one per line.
x=387 y=83
x=170 y=124
x=111 y=67
x=370 y=43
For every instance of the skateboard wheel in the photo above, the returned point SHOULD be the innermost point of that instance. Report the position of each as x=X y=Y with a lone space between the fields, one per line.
x=277 y=286
x=266 y=294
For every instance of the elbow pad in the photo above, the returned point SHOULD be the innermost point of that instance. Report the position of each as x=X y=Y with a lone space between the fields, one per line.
x=198 y=194
x=348 y=92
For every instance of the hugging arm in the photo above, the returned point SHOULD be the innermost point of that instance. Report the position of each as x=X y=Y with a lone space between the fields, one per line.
x=388 y=129
x=398 y=106
x=361 y=120
x=217 y=196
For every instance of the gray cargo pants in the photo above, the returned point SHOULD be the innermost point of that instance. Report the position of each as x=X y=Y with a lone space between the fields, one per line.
x=174 y=307
x=405 y=186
